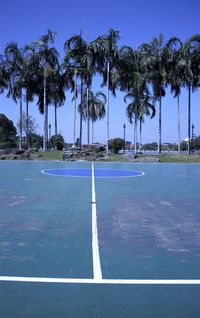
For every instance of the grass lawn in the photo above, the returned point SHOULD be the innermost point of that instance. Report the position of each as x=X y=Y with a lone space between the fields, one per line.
x=179 y=158
x=50 y=155
x=164 y=158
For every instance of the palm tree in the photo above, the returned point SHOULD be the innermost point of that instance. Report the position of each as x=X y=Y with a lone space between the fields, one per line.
x=4 y=77
x=106 y=53
x=47 y=59
x=139 y=106
x=80 y=58
x=154 y=59
x=20 y=66
x=30 y=83
x=96 y=109
x=131 y=78
x=57 y=92
x=174 y=46
x=14 y=67
x=147 y=108
x=189 y=72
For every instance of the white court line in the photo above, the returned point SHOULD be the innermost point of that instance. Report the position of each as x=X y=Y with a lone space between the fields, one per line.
x=95 y=245
x=100 y=281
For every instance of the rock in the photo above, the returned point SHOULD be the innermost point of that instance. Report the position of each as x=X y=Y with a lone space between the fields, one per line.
x=19 y=152
x=149 y=159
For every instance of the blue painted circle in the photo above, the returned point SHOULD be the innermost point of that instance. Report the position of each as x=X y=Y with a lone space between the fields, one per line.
x=98 y=173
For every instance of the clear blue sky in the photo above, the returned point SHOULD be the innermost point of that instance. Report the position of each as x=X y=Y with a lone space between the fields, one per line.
x=138 y=21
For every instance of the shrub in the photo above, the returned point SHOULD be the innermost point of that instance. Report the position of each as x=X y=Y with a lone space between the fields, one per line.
x=57 y=142
x=116 y=144
x=35 y=141
x=7 y=133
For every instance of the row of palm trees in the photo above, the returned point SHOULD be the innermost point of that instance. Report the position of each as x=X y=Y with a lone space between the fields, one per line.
x=142 y=73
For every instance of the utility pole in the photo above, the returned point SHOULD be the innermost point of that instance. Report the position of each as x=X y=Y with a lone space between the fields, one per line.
x=124 y=126
x=49 y=131
x=192 y=139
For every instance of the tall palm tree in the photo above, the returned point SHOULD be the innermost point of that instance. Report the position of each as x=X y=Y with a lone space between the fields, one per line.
x=57 y=93
x=106 y=53
x=96 y=109
x=154 y=56
x=189 y=72
x=131 y=79
x=147 y=108
x=20 y=66
x=47 y=57
x=14 y=66
x=4 y=76
x=30 y=81
x=139 y=106
x=80 y=58
x=174 y=46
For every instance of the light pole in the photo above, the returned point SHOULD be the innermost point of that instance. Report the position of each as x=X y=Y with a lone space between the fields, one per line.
x=49 y=131
x=124 y=126
x=192 y=138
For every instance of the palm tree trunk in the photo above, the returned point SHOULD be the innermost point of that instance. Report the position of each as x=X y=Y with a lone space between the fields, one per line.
x=140 y=134
x=189 y=116
x=75 y=88
x=179 y=126
x=135 y=134
x=45 y=118
x=159 y=125
x=107 y=108
x=47 y=127
x=20 y=123
x=81 y=115
x=27 y=132
x=88 y=118
x=92 y=131
x=56 y=131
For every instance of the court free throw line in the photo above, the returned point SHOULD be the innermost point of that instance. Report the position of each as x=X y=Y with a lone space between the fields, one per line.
x=100 y=281
x=95 y=244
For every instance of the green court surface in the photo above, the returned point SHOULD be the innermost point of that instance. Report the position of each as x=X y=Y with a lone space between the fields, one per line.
x=99 y=247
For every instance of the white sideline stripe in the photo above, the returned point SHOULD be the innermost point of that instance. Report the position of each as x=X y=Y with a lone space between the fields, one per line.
x=95 y=245
x=101 y=281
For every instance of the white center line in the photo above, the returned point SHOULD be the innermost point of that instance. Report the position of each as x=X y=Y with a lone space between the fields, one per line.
x=95 y=245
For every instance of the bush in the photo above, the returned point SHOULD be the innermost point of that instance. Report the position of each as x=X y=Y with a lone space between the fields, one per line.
x=35 y=141
x=150 y=147
x=116 y=144
x=195 y=143
x=57 y=142
x=184 y=146
x=7 y=133
x=94 y=148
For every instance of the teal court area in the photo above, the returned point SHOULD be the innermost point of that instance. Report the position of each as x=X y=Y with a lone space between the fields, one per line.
x=103 y=244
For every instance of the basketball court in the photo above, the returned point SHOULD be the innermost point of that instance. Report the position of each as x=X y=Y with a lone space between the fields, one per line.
x=99 y=240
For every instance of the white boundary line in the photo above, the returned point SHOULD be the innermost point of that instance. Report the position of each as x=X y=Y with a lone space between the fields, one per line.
x=95 y=245
x=100 y=281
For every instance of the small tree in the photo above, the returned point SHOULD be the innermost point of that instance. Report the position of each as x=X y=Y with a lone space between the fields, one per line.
x=35 y=141
x=32 y=125
x=196 y=143
x=116 y=144
x=150 y=147
x=184 y=146
x=57 y=142
x=7 y=133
